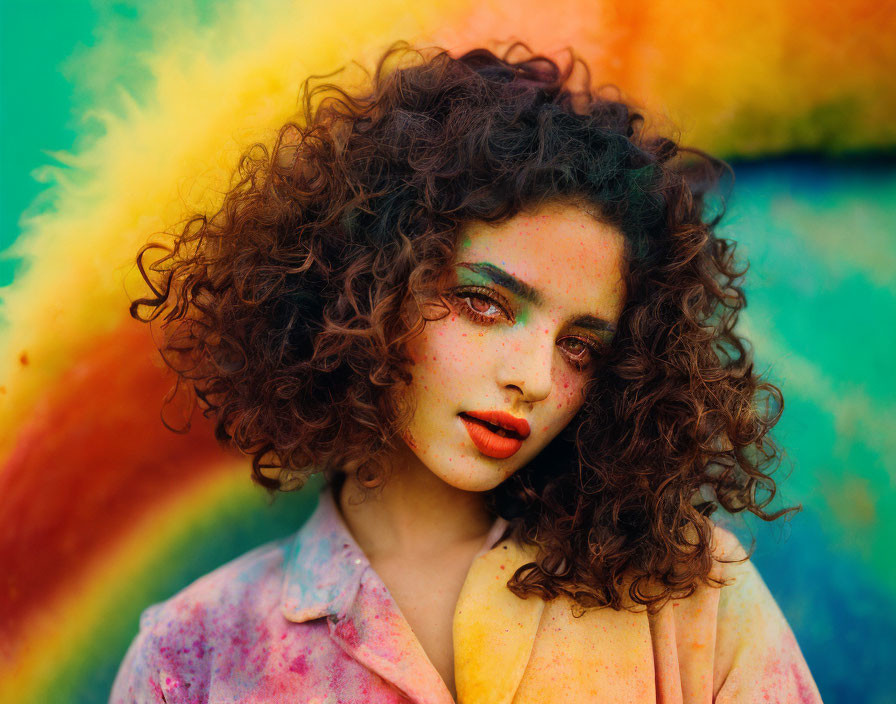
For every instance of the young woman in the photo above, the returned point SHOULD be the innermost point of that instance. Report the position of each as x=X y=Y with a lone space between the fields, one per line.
x=491 y=310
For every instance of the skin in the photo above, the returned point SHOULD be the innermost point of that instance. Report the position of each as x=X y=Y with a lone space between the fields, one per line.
x=525 y=360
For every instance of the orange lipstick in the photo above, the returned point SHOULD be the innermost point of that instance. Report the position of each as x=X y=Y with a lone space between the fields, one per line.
x=495 y=434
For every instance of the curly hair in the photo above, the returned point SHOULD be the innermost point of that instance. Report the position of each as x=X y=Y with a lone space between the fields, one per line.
x=287 y=310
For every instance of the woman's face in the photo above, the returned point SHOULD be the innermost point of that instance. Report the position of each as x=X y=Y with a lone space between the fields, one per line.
x=532 y=302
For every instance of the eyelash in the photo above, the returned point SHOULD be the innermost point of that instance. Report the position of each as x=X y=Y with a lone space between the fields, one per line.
x=496 y=299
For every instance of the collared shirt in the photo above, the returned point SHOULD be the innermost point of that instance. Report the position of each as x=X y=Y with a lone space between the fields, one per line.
x=306 y=619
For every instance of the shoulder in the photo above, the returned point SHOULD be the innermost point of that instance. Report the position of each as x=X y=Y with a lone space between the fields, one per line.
x=741 y=581
x=742 y=588
x=182 y=633
x=756 y=652
x=726 y=545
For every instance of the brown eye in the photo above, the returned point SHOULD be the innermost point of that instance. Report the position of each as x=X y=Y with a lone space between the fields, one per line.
x=480 y=303
x=475 y=304
x=581 y=352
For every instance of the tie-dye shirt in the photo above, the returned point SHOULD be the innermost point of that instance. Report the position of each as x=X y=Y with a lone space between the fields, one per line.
x=306 y=619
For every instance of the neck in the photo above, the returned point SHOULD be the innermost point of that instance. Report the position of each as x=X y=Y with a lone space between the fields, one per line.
x=414 y=513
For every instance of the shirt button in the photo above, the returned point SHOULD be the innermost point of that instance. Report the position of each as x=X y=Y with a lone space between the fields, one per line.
x=358 y=561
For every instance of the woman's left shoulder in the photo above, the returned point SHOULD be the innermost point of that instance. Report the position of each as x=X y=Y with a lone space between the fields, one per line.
x=742 y=588
x=757 y=657
x=725 y=544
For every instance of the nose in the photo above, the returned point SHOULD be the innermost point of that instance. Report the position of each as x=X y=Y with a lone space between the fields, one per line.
x=527 y=364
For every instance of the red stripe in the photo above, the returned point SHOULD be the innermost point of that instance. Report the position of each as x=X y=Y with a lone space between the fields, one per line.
x=92 y=455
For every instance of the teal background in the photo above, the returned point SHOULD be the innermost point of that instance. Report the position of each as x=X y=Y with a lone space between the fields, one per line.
x=822 y=314
x=36 y=101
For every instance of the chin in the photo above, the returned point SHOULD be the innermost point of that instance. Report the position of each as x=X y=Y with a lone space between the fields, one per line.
x=461 y=467
x=475 y=479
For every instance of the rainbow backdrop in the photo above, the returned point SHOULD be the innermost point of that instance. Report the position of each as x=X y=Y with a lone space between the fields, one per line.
x=103 y=511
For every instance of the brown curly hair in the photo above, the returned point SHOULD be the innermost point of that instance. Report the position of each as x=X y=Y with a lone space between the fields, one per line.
x=287 y=310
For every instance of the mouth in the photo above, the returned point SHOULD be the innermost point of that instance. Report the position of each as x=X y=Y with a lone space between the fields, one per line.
x=500 y=422
x=495 y=439
x=494 y=427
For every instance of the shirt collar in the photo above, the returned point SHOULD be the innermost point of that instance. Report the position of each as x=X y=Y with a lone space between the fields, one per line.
x=326 y=564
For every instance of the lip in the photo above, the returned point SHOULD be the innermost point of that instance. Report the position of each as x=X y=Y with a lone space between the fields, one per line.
x=490 y=443
x=520 y=426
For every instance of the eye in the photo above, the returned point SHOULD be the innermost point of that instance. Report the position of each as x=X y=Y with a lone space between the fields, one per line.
x=481 y=304
x=485 y=305
x=582 y=353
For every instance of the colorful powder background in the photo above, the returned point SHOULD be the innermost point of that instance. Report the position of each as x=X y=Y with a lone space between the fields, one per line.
x=117 y=117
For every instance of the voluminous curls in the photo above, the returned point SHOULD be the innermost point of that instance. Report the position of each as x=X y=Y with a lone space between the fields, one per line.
x=287 y=311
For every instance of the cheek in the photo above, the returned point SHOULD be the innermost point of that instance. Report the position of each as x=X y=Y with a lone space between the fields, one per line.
x=568 y=396
x=442 y=353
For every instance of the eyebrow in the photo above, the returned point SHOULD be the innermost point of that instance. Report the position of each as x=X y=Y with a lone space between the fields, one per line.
x=532 y=294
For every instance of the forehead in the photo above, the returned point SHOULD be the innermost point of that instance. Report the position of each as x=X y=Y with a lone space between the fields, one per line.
x=565 y=253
